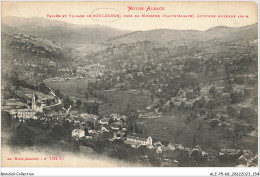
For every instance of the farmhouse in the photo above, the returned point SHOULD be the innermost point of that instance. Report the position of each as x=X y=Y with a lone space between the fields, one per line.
x=119 y=135
x=136 y=140
x=104 y=129
x=114 y=126
x=23 y=113
x=230 y=152
x=90 y=117
x=104 y=121
x=171 y=147
x=78 y=133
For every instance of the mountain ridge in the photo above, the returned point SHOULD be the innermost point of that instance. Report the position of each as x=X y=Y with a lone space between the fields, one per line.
x=86 y=34
x=57 y=30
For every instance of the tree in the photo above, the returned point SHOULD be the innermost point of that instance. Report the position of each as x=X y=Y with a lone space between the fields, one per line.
x=110 y=121
x=165 y=142
x=227 y=89
x=236 y=97
x=39 y=114
x=127 y=110
x=67 y=102
x=254 y=101
x=196 y=156
x=74 y=71
x=131 y=122
x=91 y=125
x=79 y=102
x=42 y=87
x=202 y=102
x=191 y=117
x=99 y=145
x=212 y=91
x=211 y=114
x=211 y=104
x=152 y=97
x=154 y=160
x=232 y=112
x=171 y=104
x=6 y=120
x=59 y=94
x=200 y=126
x=214 y=123
x=22 y=136
x=196 y=90
x=247 y=113
x=86 y=95
x=195 y=104
x=48 y=102
x=182 y=105
x=86 y=131
x=75 y=146
x=66 y=125
x=57 y=132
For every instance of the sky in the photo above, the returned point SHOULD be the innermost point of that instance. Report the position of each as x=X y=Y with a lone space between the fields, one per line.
x=41 y=9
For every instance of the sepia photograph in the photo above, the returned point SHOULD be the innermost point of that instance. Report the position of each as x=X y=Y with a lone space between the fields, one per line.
x=129 y=84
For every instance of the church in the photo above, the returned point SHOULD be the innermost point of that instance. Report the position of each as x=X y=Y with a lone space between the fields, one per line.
x=29 y=112
x=36 y=106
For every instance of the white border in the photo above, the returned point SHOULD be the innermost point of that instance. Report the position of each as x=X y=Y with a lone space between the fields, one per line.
x=131 y=171
x=114 y=172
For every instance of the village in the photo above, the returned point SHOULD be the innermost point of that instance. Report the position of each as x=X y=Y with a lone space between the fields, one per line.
x=87 y=127
x=182 y=101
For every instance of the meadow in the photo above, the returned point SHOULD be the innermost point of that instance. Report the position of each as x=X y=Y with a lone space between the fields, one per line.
x=121 y=101
x=173 y=128
x=70 y=86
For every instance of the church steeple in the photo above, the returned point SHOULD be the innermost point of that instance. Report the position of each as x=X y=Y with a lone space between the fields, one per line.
x=33 y=98
x=34 y=106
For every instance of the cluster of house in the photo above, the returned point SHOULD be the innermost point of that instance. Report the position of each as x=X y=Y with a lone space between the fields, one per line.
x=245 y=157
x=26 y=112
x=116 y=125
x=139 y=140
x=115 y=122
x=79 y=72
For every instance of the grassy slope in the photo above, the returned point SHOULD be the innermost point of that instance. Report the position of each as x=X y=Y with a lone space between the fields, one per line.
x=173 y=128
x=121 y=100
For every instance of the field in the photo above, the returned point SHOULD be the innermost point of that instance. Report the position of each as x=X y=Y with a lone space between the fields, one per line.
x=121 y=100
x=69 y=87
x=174 y=129
x=28 y=92
x=118 y=101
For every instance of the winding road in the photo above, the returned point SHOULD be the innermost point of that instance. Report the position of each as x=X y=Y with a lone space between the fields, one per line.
x=53 y=94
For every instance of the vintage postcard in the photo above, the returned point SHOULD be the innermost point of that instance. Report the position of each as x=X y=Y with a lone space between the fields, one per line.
x=129 y=84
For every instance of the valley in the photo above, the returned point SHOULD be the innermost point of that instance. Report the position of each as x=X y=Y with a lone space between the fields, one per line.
x=190 y=91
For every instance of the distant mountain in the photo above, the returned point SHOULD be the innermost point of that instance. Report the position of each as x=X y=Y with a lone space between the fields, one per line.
x=33 y=49
x=66 y=33
x=236 y=33
x=165 y=35
x=160 y=35
x=7 y=28
x=73 y=35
